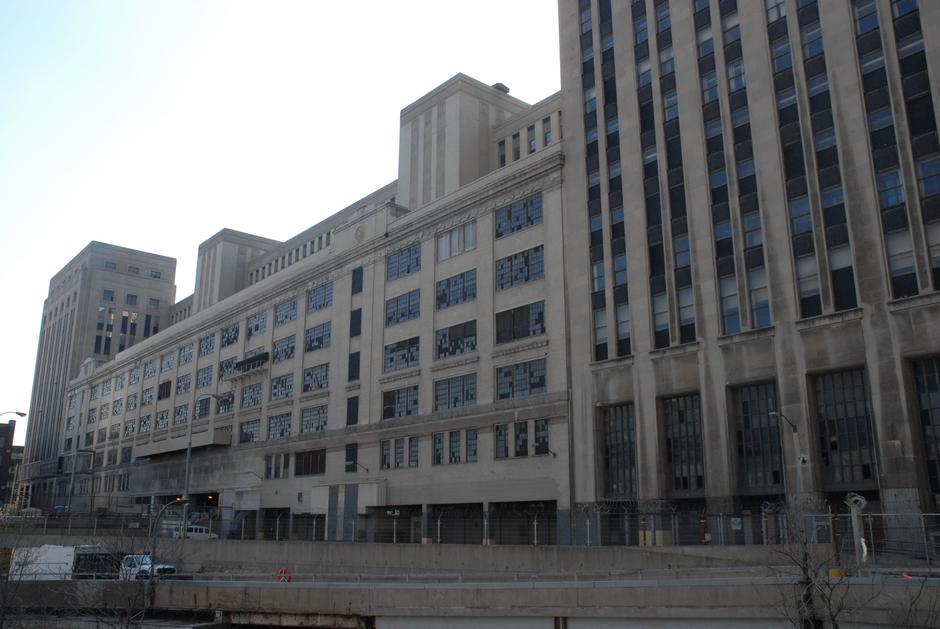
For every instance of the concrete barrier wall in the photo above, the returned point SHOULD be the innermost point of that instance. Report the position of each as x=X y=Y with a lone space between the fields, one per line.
x=314 y=557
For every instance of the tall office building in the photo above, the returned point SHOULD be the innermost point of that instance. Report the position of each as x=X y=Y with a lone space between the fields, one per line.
x=740 y=308
x=751 y=205
x=104 y=300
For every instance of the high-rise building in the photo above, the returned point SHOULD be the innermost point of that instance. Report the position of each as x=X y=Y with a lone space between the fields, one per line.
x=104 y=300
x=718 y=290
x=751 y=199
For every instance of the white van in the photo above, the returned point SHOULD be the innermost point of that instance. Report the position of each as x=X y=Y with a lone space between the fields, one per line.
x=196 y=532
x=138 y=567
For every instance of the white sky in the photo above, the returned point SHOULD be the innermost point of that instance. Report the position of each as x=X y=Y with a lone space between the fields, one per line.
x=153 y=124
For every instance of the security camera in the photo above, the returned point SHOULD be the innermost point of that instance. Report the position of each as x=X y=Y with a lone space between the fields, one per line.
x=802 y=459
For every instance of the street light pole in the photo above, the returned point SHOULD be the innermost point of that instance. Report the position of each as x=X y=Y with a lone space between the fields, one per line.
x=189 y=458
x=155 y=527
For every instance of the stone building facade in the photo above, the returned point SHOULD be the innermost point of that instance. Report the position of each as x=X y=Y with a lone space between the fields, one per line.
x=716 y=291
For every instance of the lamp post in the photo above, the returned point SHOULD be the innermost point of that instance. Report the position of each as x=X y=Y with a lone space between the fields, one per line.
x=17 y=413
x=155 y=527
x=800 y=458
x=189 y=458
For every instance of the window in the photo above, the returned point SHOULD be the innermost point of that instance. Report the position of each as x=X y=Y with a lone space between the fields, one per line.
x=455 y=392
x=874 y=60
x=131 y=300
x=927 y=385
x=285 y=312
x=320 y=297
x=107 y=295
x=618 y=430
x=282 y=387
x=812 y=40
x=706 y=45
x=183 y=383
x=866 y=16
x=154 y=274
x=660 y=321
x=352 y=410
x=110 y=266
x=284 y=349
x=521 y=380
x=403 y=308
x=230 y=335
x=880 y=119
x=843 y=278
x=640 y=32
x=521 y=441
x=134 y=376
x=900 y=253
x=401 y=355
x=667 y=64
x=519 y=215
x=730 y=27
x=824 y=138
x=807 y=277
x=201 y=408
x=800 y=217
x=501 y=441
x=462 y=238
x=154 y=304
x=180 y=414
x=684 y=454
x=385 y=458
x=316 y=378
x=752 y=230
x=541 y=437
x=516 y=149
x=521 y=322
x=775 y=10
x=403 y=262
x=355 y=323
x=356 y=281
x=225 y=403
x=780 y=51
x=643 y=74
x=844 y=429
x=457 y=289
x=453 y=447
x=412 y=451
x=352 y=371
x=400 y=402
x=163 y=392
x=437 y=439
x=132 y=402
x=144 y=424
x=256 y=324
x=730 y=315
x=899 y=8
x=313 y=419
x=890 y=188
x=227 y=367
x=757 y=439
x=546 y=131
x=519 y=268
x=600 y=334
x=709 y=87
x=146 y=397
x=310 y=463
x=133 y=270
x=251 y=395
x=662 y=17
x=279 y=427
x=760 y=301
x=249 y=431
x=736 y=79
x=928 y=175
x=670 y=105
x=455 y=340
x=501 y=153
x=317 y=337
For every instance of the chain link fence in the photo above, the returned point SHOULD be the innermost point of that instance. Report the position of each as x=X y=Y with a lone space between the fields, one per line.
x=872 y=539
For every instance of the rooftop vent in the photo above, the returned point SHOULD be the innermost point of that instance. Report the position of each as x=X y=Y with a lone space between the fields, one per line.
x=501 y=87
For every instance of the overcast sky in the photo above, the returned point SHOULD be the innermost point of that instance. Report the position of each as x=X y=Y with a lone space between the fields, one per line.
x=152 y=125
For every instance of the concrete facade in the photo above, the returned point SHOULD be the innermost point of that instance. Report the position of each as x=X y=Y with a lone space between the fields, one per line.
x=87 y=315
x=740 y=309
